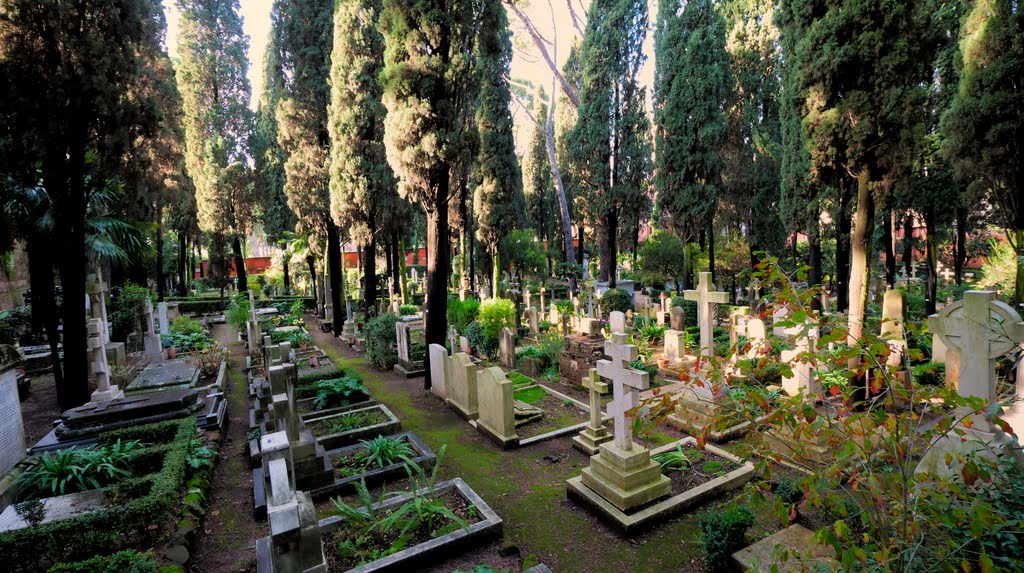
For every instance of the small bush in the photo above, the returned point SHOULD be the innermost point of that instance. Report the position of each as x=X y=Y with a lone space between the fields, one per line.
x=381 y=351
x=121 y=562
x=186 y=325
x=475 y=335
x=126 y=307
x=408 y=309
x=462 y=312
x=616 y=299
x=723 y=533
x=238 y=313
x=788 y=489
x=186 y=342
x=930 y=374
x=495 y=314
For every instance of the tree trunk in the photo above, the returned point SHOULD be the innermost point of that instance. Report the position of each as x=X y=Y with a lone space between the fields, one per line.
x=311 y=263
x=843 y=230
x=44 y=303
x=563 y=204
x=814 y=261
x=396 y=280
x=370 y=274
x=1018 y=300
x=908 y=243
x=711 y=249
x=960 y=246
x=160 y=279
x=471 y=251
x=243 y=281
x=888 y=239
x=609 y=248
x=401 y=271
x=932 y=257
x=860 y=269
x=287 y=278
x=202 y=270
x=182 y=263
x=334 y=276
x=69 y=225
x=438 y=266
x=495 y=274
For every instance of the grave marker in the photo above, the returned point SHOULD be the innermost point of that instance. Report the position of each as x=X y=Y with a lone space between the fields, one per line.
x=497 y=411
x=706 y=299
x=462 y=385
x=98 y=363
x=152 y=344
x=590 y=439
x=617 y=322
x=677 y=318
x=507 y=348
x=438 y=370
x=12 y=430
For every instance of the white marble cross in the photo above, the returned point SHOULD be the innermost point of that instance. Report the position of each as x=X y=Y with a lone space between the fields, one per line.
x=979 y=329
x=706 y=297
x=626 y=384
x=664 y=304
x=947 y=275
x=914 y=265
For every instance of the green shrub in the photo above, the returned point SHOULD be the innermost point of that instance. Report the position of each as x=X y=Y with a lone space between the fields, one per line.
x=186 y=342
x=186 y=325
x=121 y=562
x=202 y=306
x=298 y=338
x=381 y=343
x=462 y=312
x=297 y=309
x=763 y=372
x=789 y=491
x=127 y=304
x=76 y=469
x=722 y=534
x=339 y=392
x=689 y=309
x=616 y=299
x=408 y=309
x=550 y=345
x=238 y=313
x=14 y=324
x=495 y=314
x=475 y=335
x=930 y=373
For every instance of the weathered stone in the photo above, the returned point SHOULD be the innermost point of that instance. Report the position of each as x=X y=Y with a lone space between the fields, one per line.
x=462 y=387
x=590 y=439
x=677 y=318
x=438 y=366
x=12 y=430
x=706 y=298
x=497 y=414
x=507 y=348
x=617 y=322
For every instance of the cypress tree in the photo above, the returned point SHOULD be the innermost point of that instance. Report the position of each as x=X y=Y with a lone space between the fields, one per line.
x=983 y=128
x=268 y=157
x=499 y=197
x=538 y=187
x=364 y=195
x=425 y=77
x=215 y=99
x=691 y=85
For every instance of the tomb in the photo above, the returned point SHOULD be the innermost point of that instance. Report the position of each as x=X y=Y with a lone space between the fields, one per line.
x=438 y=370
x=169 y=374
x=462 y=385
x=507 y=349
x=406 y=366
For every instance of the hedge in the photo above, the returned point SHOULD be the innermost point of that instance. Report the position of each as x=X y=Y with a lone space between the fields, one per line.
x=205 y=305
x=120 y=562
x=135 y=504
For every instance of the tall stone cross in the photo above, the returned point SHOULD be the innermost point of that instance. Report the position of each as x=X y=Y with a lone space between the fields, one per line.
x=979 y=329
x=592 y=382
x=626 y=384
x=97 y=291
x=526 y=296
x=706 y=297
x=542 y=290
x=664 y=304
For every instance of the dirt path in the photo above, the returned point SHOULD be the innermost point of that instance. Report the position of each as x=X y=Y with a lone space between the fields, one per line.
x=228 y=543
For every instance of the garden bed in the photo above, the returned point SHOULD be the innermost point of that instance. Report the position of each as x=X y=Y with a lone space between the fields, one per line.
x=346 y=428
x=687 y=492
x=351 y=466
x=484 y=524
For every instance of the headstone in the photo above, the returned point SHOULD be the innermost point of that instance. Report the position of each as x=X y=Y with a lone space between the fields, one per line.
x=464 y=345
x=675 y=345
x=803 y=381
x=590 y=303
x=622 y=472
x=98 y=363
x=706 y=299
x=894 y=333
x=12 y=430
x=617 y=322
x=402 y=340
x=590 y=327
x=677 y=318
x=453 y=339
x=497 y=409
x=438 y=365
x=542 y=291
x=979 y=329
x=531 y=314
x=462 y=385
x=152 y=345
x=590 y=439
x=553 y=315
x=296 y=543
x=779 y=314
x=757 y=338
x=507 y=348
x=165 y=327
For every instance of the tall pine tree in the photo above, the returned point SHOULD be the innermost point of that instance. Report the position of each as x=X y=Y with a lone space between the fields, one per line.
x=690 y=89
x=499 y=197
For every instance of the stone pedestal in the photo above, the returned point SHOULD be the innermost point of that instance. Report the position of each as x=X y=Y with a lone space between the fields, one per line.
x=153 y=346
x=116 y=353
x=626 y=478
x=578 y=357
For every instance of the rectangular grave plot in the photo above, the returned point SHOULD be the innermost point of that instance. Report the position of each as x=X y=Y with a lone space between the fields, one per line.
x=307 y=410
x=373 y=476
x=558 y=414
x=487 y=527
x=347 y=428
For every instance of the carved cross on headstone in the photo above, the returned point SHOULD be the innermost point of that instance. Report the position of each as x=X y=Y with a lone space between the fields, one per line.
x=979 y=329
x=626 y=384
x=706 y=297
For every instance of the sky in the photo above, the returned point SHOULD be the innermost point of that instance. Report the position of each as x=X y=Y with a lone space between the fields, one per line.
x=551 y=17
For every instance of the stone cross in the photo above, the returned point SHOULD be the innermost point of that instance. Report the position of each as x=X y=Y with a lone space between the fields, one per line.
x=98 y=360
x=627 y=383
x=914 y=265
x=978 y=329
x=664 y=304
x=526 y=297
x=97 y=290
x=453 y=339
x=162 y=313
x=542 y=291
x=592 y=382
x=148 y=309
x=947 y=275
x=706 y=298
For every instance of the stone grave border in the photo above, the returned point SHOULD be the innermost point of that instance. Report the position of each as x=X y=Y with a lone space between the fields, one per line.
x=333 y=441
x=450 y=545
x=718 y=436
x=422 y=456
x=647 y=517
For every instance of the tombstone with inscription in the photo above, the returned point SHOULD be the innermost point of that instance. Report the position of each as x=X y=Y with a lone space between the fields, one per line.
x=12 y=430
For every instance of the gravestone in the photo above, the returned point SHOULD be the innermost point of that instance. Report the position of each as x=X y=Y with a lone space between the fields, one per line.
x=757 y=338
x=542 y=291
x=507 y=348
x=677 y=318
x=622 y=472
x=803 y=381
x=590 y=439
x=675 y=346
x=98 y=363
x=438 y=364
x=462 y=385
x=527 y=297
x=12 y=429
x=706 y=299
x=662 y=314
x=116 y=352
x=497 y=410
x=296 y=543
x=553 y=315
x=779 y=314
x=464 y=345
x=453 y=339
x=894 y=333
x=617 y=322
x=406 y=366
x=152 y=344
x=531 y=314
x=174 y=373
x=590 y=327
x=165 y=327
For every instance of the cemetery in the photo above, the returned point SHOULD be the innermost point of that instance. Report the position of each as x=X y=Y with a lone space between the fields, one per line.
x=599 y=286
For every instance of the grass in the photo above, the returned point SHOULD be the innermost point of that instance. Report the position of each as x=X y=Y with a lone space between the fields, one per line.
x=532 y=396
x=518 y=379
x=530 y=495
